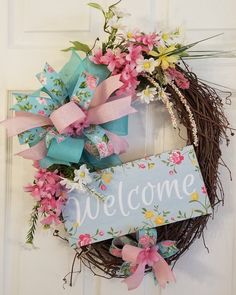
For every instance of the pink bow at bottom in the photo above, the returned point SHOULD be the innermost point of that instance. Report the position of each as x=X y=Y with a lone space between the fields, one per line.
x=141 y=257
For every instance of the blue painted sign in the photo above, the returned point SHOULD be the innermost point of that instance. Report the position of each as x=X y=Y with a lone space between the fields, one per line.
x=145 y=193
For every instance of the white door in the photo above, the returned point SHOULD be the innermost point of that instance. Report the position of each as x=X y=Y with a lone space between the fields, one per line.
x=32 y=32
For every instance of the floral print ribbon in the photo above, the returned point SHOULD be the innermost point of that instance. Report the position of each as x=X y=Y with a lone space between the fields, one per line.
x=147 y=252
x=85 y=118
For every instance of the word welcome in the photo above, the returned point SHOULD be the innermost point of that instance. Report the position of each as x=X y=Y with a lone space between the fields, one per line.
x=135 y=199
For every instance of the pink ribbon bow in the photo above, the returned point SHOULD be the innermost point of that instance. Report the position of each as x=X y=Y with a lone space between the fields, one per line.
x=99 y=112
x=141 y=257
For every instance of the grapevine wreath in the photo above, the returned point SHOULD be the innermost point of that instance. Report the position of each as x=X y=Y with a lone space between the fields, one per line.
x=135 y=66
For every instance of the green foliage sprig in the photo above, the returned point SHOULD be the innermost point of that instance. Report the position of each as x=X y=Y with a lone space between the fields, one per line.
x=33 y=223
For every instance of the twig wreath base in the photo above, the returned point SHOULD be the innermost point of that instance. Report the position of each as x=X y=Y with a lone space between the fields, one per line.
x=77 y=125
x=213 y=128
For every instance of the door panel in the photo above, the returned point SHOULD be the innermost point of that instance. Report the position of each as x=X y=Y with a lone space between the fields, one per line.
x=33 y=32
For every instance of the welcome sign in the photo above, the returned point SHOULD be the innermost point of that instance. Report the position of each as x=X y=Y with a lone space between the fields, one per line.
x=145 y=193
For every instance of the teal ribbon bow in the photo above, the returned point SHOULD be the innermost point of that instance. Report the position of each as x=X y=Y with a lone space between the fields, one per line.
x=58 y=89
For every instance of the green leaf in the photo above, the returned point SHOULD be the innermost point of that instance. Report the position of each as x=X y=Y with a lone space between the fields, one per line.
x=95 y=5
x=188 y=46
x=199 y=211
x=78 y=46
x=153 y=53
x=33 y=223
x=81 y=46
x=68 y=49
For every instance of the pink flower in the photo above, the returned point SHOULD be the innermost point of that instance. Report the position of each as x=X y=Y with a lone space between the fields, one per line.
x=113 y=60
x=204 y=190
x=50 y=69
x=171 y=172
x=77 y=127
x=102 y=148
x=178 y=77
x=41 y=112
x=84 y=239
x=129 y=79
x=148 y=40
x=176 y=157
x=146 y=241
x=51 y=219
x=96 y=58
x=134 y=54
x=41 y=100
x=142 y=165
x=49 y=193
x=51 y=205
x=34 y=190
x=91 y=81
x=103 y=187
x=101 y=233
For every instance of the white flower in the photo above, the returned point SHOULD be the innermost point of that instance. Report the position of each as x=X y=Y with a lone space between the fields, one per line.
x=119 y=12
x=81 y=179
x=115 y=23
x=130 y=34
x=148 y=94
x=82 y=176
x=67 y=183
x=71 y=185
x=146 y=65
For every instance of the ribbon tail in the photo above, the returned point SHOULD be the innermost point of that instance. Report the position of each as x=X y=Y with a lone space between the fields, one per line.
x=163 y=272
x=24 y=121
x=120 y=145
x=35 y=153
x=136 y=278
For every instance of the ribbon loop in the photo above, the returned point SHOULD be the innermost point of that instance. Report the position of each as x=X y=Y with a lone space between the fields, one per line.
x=67 y=115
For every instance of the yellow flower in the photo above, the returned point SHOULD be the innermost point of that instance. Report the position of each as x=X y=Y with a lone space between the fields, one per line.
x=149 y=214
x=195 y=196
x=76 y=224
x=165 y=36
x=82 y=174
x=159 y=220
x=194 y=162
x=164 y=60
x=107 y=177
x=151 y=165
x=129 y=35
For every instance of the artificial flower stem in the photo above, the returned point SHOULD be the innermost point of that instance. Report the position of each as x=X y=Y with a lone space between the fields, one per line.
x=187 y=107
x=164 y=98
x=97 y=195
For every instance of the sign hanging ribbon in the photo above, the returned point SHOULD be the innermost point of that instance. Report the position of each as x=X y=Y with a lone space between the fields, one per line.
x=145 y=253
